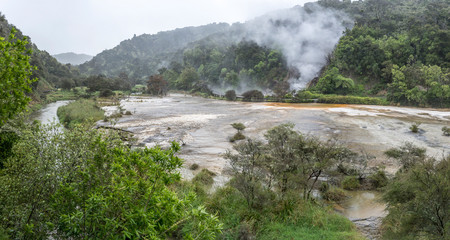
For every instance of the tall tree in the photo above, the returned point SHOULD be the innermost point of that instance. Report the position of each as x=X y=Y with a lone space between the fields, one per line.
x=15 y=72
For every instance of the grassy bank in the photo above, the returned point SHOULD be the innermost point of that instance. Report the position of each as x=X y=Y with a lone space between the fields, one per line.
x=291 y=218
x=79 y=111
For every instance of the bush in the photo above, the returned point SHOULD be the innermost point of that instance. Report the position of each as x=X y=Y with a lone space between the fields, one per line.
x=253 y=96
x=106 y=93
x=204 y=178
x=350 y=183
x=378 y=179
x=194 y=167
x=238 y=126
x=334 y=194
x=446 y=131
x=230 y=95
x=238 y=136
x=415 y=127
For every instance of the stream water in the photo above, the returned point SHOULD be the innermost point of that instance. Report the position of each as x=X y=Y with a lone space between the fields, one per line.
x=203 y=127
x=47 y=114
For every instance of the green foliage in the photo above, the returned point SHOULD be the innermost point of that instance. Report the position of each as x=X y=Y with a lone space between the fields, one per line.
x=385 y=49
x=230 y=95
x=15 y=72
x=106 y=93
x=350 y=183
x=253 y=96
x=333 y=82
x=333 y=193
x=237 y=136
x=351 y=100
x=7 y=140
x=408 y=155
x=238 y=126
x=415 y=127
x=204 y=178
x=378 y=179
x=446 y=131
x=78 y=112
x=187 y=78
x=194 y=167
x=90 y=185
x=418 y=201
x=156 y=85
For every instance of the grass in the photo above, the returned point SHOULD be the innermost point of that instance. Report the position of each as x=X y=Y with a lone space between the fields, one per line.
x=79 y=111
x=59 y=95
x=305 y=220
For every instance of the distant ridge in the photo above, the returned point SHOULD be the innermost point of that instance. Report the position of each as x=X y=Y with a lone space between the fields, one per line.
x=72 y=58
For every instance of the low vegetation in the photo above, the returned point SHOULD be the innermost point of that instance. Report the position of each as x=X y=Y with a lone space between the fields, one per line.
x=415 y=127
x=88 y=184
x=418 y=198
x=79 y=111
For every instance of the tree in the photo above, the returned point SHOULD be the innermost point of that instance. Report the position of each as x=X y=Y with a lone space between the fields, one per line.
x=88 y=184
x=156 y=85
x=230 y=95
x=187 y=78
x=418 y=201
x=247 y=170
x=15 y=72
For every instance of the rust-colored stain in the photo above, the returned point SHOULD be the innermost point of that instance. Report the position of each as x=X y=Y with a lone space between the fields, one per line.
x=306 y=105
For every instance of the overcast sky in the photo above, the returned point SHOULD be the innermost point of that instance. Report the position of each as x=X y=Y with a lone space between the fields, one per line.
x=91 y=26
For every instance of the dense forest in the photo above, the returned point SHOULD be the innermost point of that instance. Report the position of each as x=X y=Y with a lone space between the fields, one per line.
x=398 y=49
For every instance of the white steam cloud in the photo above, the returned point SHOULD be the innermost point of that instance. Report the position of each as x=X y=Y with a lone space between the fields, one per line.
x=305 y=35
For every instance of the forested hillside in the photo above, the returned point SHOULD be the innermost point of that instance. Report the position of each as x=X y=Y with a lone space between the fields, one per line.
x=143 y=55
x=399 y=49
x=49 y=72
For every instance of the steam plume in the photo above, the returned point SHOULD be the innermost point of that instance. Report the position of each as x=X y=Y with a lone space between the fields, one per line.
x=305 y=35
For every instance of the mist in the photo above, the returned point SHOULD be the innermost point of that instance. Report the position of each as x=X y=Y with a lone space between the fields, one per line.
x=305 y=36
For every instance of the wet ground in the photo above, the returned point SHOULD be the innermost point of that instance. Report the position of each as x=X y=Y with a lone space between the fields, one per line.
x=203 y=126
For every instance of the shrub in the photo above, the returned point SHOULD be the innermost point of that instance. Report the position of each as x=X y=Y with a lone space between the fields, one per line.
x=204 y=178
x=106 y=93
x=238 y=126
x=378 y=179
x=446 y=131
x=350 y=183
x=194 y=167
x=415 y=127
x=238 y=136
x=230 y=95
x=253 y=96
x=334 y=194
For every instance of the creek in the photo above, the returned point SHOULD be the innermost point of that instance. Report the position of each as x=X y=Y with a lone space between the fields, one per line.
x=47 y=114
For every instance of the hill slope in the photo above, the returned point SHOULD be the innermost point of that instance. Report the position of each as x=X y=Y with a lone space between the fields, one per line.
x=142 y=55
x=49 y=71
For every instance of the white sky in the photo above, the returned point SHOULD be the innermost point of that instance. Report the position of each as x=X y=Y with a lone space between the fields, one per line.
x=91 y=26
